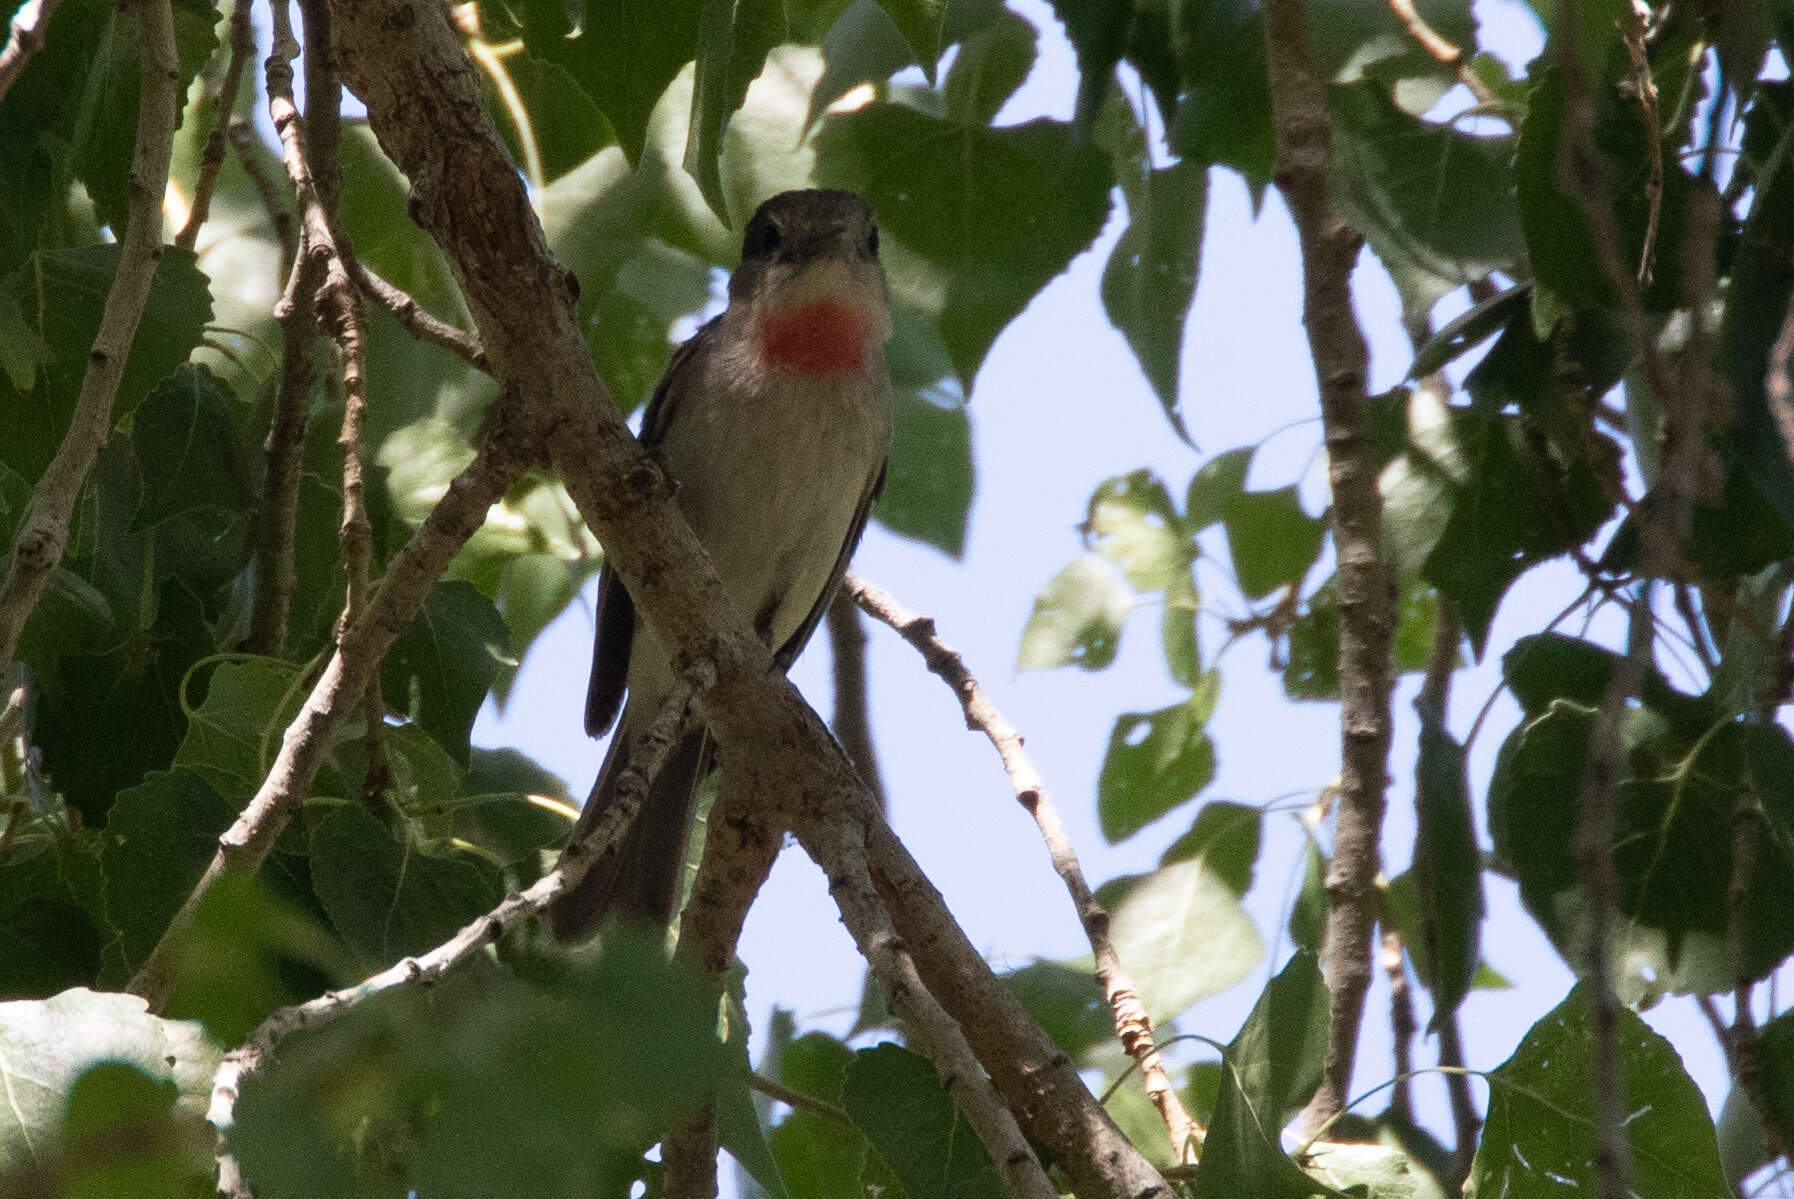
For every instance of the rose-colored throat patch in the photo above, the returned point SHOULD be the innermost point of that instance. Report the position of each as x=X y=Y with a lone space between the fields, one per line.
x=818 y=338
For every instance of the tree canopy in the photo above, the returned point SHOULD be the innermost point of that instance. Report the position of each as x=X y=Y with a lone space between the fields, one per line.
x=305 y=440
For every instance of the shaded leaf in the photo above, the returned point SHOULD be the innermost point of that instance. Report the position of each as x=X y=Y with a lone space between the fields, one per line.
x=1271 y=1069
x=187 y=448
x=1156 y=761
x=159 y=838
x=1225 y=837
x=895 y=1098
x=441 y=666
x=990 y=65
x=930 y=481
x=1065 y=1000
x=1184 y=937
x=1213 y=487
x=1151 y=275
x=1447 y=867
x=60 y=295
x=733 y=39
x=998 y=212
x=1539 y=1138
x=388 y=899
x=1274 y=542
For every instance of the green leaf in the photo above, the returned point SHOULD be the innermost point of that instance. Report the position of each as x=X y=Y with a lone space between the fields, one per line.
x=1104 y=33
x=160 y=836
x=51 y=941
x=1177 y=629
x=1447 y=867
x=1077 y=618
x=1132 y=522
x=895 y=1098
x=623 y=56
x=105 y=129
x=1373 y=1171
x=995 y=213
x=923 y=25
x=127 y=1133
x=1559 y=242
x=1274 y=542
x=1539 y=1135
x=1065 y=1000
x=233 y=736
x=818 y=1158
x=1224 y=114
x=990 y=66
x=1308 y=915
x=1212 y=488
x=442 y=665
x=864 y=45
x=1271 y=1069
x=1436 y=204
x=46 y=1045
x=1225 y=837
x=388 y=899
x=1150 y=278
x=1672 y=845
x=929 y=482
x=61 y=294
x=733 y=39
x=107 y=719
x=1468 y=330
x=565 y=129
x=1156 y=761
x=1184 y=936
x=187 y=448
x=1474 y=503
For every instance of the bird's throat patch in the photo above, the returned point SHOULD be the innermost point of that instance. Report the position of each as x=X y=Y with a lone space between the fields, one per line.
x=819 y=337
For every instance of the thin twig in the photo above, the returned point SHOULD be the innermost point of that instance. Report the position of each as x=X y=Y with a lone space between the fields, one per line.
x=25 y=37
x=1448 y=53
x=1740 y=1040
x=339 y=689
x=781 y=1093
x=416 y=320
x=841 y=847
x=250 y=150
x=853 y=716
x=1132 y=1025
x=1633 y=33
x=1366 y=590
x=249 y=1059
x=42 y=534
x=211 y=160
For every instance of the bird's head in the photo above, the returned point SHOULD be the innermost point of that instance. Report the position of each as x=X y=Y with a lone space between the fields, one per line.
x=811 y=282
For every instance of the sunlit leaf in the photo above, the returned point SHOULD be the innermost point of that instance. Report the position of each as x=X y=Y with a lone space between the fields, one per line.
x=1184 y=937
x=1077 y=618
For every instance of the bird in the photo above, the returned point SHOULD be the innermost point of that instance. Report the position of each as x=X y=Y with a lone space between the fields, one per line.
x=774 y=422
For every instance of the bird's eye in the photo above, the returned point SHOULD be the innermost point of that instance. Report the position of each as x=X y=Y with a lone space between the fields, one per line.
x=872 y=242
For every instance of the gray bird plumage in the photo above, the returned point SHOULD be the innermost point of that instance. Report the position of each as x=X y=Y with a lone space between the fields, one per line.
x=777 y=437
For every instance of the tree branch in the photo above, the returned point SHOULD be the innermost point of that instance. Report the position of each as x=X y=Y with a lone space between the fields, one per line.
x=42 y=535
x=411 y=574
x=426 y=105
x=1132 y=1025
x=418 y=321
x=1366 y=591
x=853 y=716
x=25 y=36
x=249 y=1059
x=211 y=160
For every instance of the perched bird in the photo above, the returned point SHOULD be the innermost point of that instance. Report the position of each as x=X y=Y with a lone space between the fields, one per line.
x=775 y=423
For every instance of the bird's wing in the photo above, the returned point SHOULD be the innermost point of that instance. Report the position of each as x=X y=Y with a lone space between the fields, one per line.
x=787 y=653
x=615 y=631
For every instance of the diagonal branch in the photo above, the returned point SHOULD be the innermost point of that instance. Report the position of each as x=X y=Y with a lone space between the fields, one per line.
x=426 y=105
x=211 y=159
x=1366 y=591
x=24 y=37
x=1132 y=1025
x=42 y=535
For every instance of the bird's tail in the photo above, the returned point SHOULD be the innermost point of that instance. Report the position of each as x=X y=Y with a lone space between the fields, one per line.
x=640 y=881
